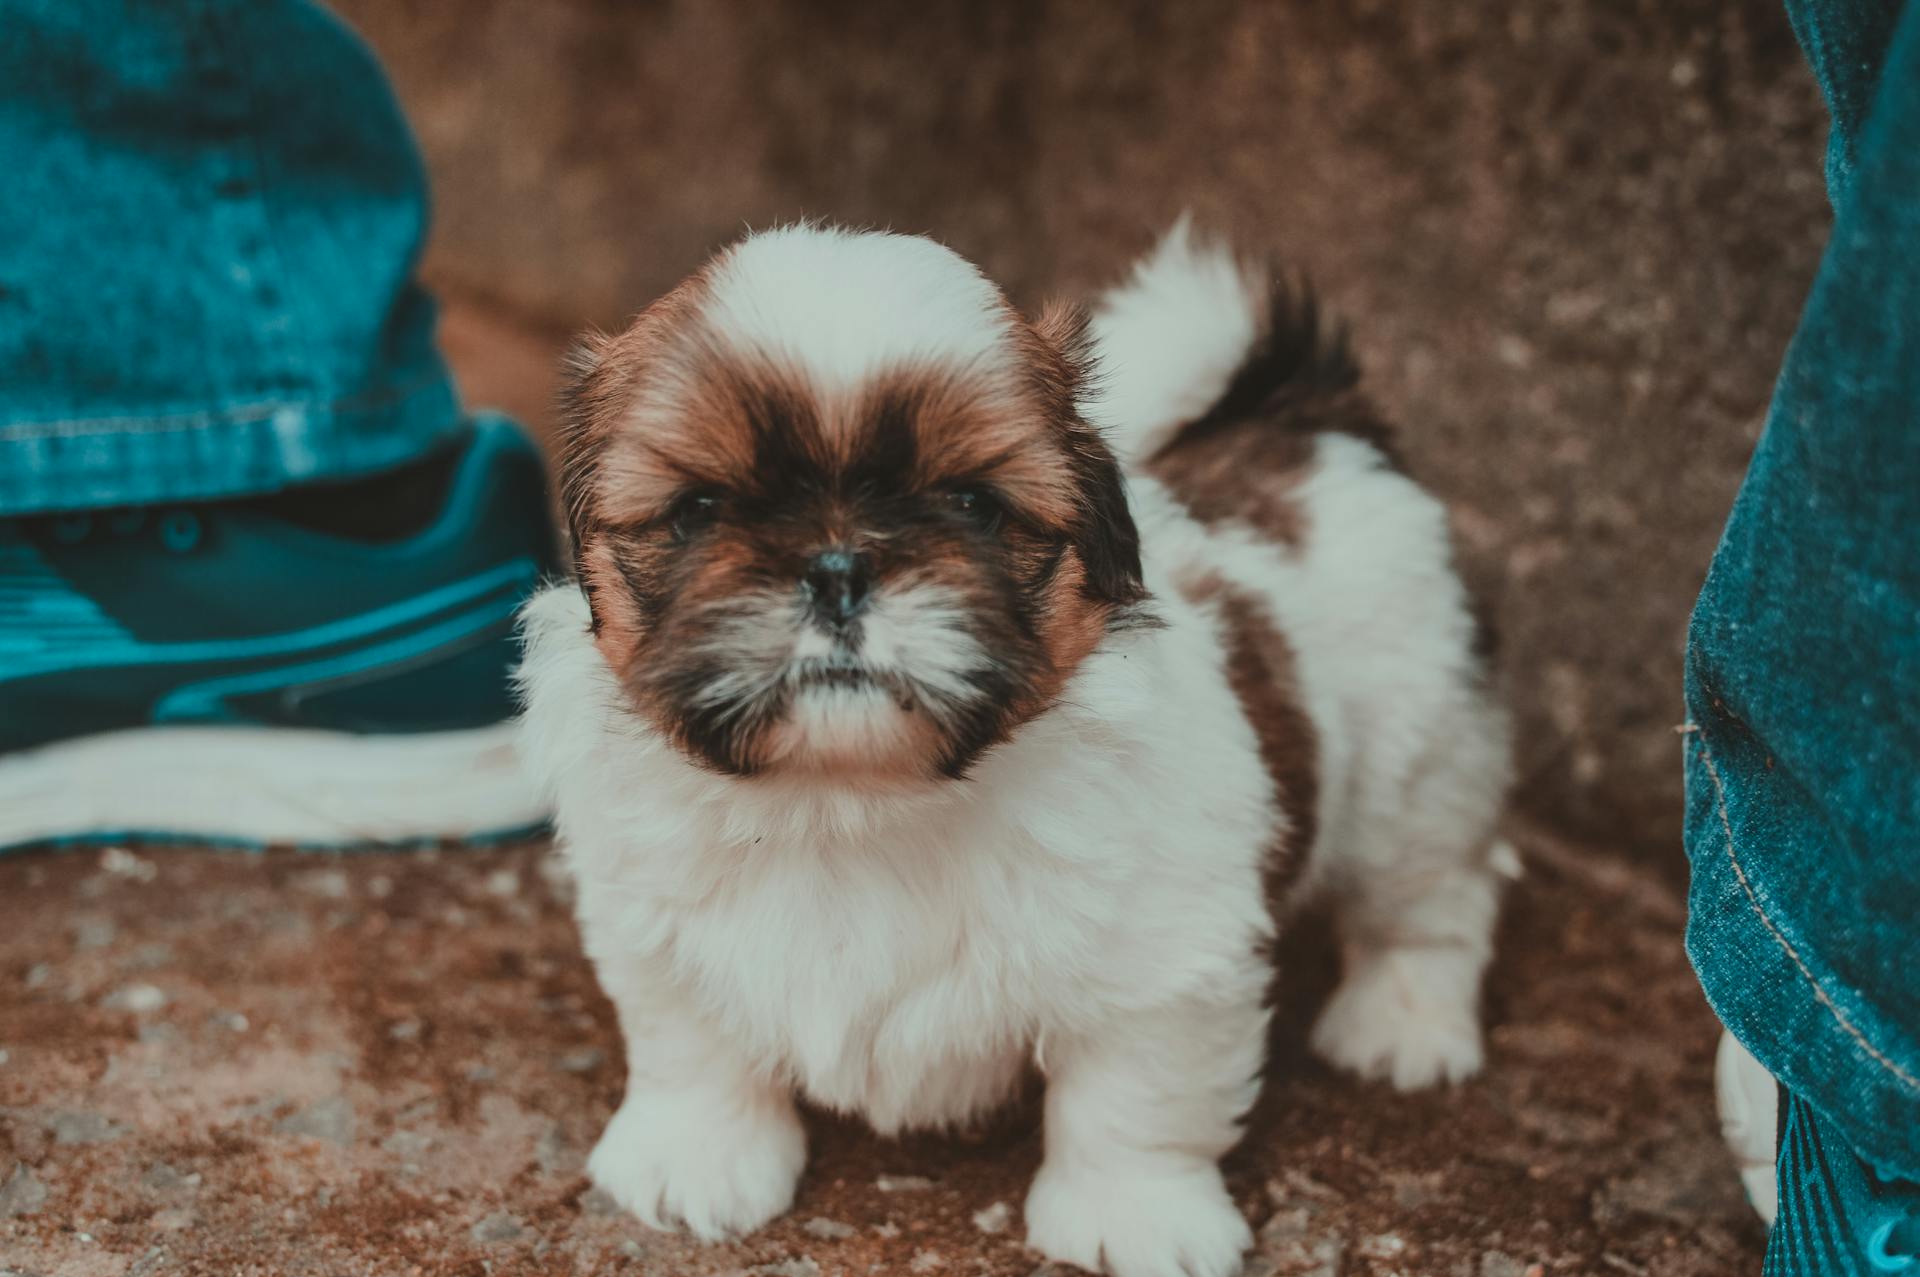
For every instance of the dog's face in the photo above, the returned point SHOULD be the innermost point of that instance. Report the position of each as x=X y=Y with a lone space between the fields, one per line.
x=835 y=511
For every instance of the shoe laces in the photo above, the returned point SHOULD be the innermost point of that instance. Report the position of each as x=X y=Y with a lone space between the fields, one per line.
x=178 y=529
x=1894 y=1246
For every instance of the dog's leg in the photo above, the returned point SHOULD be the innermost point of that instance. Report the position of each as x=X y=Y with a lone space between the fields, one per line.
x=1137 y=1114
x=702 y=1140
x=1415 y=940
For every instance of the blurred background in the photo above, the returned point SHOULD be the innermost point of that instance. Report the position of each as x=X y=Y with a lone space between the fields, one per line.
x=1571 y=238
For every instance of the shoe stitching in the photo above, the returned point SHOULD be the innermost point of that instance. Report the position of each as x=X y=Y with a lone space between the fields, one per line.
x=239 y=415
x=1786 y=945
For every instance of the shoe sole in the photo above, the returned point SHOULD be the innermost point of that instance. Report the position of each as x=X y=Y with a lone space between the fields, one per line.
x=261 y=787
x=1748 y=1099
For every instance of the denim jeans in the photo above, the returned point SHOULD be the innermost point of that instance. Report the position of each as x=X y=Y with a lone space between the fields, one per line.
x=1803 y=670
x=210 y=212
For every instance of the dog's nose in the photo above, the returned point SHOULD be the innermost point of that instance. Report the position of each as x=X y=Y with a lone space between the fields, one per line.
x=836 y=583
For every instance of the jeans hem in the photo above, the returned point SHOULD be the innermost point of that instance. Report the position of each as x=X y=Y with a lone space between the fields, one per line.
x=1766 y=991
x=243 y=450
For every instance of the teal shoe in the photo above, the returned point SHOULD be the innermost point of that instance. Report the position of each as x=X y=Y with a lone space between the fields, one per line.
x=1838 y=1217
x=328 y=666
x=1829 y=1214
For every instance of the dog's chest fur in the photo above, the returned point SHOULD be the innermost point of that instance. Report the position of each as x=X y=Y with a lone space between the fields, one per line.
x=907 y=983
x=906 y=961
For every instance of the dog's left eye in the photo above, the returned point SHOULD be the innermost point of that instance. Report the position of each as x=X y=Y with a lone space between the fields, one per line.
x=974 y=504
x=692 y=513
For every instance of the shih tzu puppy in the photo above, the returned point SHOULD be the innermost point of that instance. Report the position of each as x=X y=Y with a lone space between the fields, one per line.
x=946 y=694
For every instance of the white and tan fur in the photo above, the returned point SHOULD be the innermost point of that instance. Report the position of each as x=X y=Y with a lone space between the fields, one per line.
x=1090 y=898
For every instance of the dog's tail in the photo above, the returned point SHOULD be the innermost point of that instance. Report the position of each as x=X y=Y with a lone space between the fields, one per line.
x=1194 y=335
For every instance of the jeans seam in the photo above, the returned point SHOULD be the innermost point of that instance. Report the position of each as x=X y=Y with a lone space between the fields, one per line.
x=240 y=414
x=1779 y=937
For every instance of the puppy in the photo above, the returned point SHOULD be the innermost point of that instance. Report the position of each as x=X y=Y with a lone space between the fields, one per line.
x=945 y=694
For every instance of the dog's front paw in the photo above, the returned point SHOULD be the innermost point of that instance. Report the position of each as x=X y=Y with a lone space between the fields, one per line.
x=1409 y=1024
x=710 y=1164
x=1144 y=1221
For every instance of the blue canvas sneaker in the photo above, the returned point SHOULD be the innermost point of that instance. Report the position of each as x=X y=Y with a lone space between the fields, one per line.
x=1829 y=1213
x=327 y=666
x=1838 y=1216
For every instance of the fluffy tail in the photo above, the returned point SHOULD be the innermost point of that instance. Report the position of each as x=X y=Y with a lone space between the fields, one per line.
x=1195 y=334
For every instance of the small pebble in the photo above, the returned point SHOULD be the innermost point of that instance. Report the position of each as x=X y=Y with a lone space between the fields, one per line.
x=926 y=1261
x=1497 y=1263
x=903 y=1183
x=994 y=1219
x=554 y=1154
x=554 y=873
x=1382 y=1246
x=802 y=1267
x=585 y=1061
x=83 y=1128
x=1512 y=350
x=146 y=957
x=831 y=1230
x=497 y=1227
x=503 y=882
x=330 y=1119
x=21 y=1193
x=328 y=883
x=162 y=1178
x=138 y=998
x=122 y=863
x=1297 y=1183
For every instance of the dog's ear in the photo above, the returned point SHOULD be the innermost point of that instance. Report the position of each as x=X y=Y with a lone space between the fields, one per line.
x=1104 y=537
x=583 y=396
x=582 y=413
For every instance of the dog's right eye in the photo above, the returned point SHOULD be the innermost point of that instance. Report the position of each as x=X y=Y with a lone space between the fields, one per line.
x=693 y=513
x=976 y=504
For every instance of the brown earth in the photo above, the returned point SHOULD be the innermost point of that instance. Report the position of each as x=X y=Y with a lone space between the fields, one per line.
x=219 y=1063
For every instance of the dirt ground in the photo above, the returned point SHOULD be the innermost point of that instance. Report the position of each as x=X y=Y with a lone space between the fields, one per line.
x=223 y=1063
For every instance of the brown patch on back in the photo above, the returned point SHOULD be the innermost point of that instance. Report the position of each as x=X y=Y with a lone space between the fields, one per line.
x=1247 y=470
x=1243 y=459
x=1260 y=669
